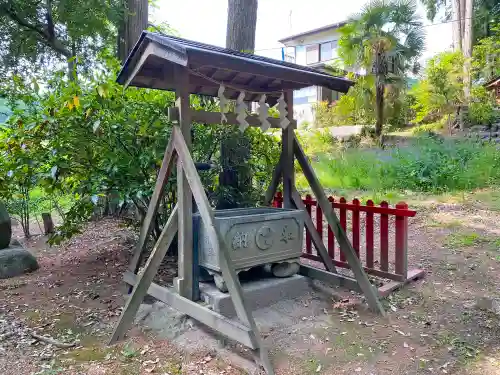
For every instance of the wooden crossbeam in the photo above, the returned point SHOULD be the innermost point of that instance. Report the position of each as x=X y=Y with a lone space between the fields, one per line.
x=344 y=243
x=146 y=278
x=147 y=224
x=230 y=328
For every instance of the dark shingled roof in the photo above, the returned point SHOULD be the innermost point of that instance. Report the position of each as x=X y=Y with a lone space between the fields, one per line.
x=155 y=57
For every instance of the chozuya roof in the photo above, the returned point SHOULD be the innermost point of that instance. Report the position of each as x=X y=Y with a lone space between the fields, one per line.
x=155 y=58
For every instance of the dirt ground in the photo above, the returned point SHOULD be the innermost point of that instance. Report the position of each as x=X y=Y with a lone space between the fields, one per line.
x=443 y=324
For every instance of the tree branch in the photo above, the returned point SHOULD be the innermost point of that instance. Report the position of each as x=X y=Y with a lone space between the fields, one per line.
x=50 y=21
x=42 y=35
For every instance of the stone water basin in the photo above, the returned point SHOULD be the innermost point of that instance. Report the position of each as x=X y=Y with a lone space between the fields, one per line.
x=254 y=237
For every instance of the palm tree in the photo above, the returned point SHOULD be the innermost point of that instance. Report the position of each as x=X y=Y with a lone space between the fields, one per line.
x=385 y=38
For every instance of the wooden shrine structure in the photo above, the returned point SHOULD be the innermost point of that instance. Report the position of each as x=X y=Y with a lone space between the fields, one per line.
x=187 y=67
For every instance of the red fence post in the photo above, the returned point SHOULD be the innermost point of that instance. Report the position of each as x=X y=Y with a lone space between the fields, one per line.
x=369 y=235
x=278 y=200
x=331 y=238
x=355 y=227
x=401 y=250
x=384 y=239
x=308 y=204
x=319 y=220
x=343 y=223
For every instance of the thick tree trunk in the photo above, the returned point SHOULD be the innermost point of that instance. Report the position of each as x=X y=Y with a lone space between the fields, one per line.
x=456 y=25
x=235 y=179
x=241 y=25
x=135 y=21
x=467 y=48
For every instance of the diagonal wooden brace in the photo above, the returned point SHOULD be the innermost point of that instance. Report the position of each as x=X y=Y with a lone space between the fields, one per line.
x=345 y=245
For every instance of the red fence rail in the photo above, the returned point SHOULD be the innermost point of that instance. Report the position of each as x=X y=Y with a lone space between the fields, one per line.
x=364 y=219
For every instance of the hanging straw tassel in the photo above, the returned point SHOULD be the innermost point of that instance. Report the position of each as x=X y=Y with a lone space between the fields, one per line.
x=223 y=103
x=241 y=110
x=282 y=106
x=263 y=111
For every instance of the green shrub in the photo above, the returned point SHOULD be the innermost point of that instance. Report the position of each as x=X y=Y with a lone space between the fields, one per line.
x=481 y=108
x=428 y=164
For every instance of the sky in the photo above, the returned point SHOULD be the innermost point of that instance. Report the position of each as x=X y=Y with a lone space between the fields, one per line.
x=205 y=21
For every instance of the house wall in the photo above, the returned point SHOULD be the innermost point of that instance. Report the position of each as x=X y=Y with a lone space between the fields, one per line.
x=304 y=99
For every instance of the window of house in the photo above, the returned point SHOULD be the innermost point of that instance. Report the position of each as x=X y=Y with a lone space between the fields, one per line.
x=312 y=54
x=327 y=50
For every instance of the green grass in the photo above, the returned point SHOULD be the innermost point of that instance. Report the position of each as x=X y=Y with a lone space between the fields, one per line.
x=463 y=240
x=458 y=240
x=425 y=165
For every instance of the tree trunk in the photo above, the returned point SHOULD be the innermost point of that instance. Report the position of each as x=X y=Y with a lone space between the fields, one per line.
x=379 y=99
x=235 y=179
x=467 y=48
x=135 y=21
x=456 y=25
x=241 y=25
x=48 y=224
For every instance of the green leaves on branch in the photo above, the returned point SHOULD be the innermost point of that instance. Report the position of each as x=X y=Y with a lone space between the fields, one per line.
x=92 y=138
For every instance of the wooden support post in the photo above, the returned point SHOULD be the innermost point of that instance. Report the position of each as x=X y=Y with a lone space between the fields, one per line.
x=184 y=281
x=316 y=239
x=275 y=181
x=219 y=246
x=147 y=224
x=344 y=243
x=146 y=278
x=287 y=137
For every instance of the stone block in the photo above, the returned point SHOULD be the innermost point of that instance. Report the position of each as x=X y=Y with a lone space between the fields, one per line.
x=258 y=294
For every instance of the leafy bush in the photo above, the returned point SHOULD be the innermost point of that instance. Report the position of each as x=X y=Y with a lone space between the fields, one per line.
x=441 y=89
x=428 y=164
x=324 y=114
x=91 y=139
x=481 y=108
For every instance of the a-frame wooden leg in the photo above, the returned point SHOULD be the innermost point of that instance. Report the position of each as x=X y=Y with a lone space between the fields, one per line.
x=318 y=242
x=369 y=291
x=146 y=278
x=147 y=224
x=219 y=246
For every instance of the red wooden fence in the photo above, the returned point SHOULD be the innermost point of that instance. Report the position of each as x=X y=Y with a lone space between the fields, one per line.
x=382 y=267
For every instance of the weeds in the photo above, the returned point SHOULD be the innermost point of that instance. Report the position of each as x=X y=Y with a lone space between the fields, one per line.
x=426 y=164
x=463 y=240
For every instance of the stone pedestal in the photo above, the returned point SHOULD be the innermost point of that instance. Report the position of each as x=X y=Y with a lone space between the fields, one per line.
x=258 y=294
